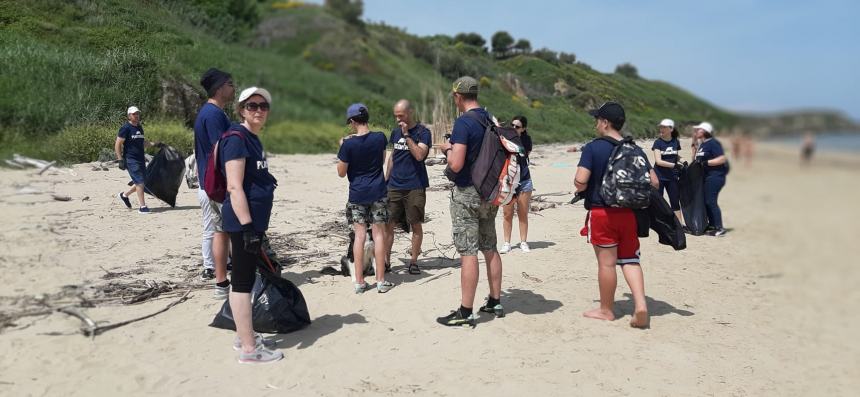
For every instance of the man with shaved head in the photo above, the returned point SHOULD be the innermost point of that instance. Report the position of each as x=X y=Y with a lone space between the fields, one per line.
x=407 y=178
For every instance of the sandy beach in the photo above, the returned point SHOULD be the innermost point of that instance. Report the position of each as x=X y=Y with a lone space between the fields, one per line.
x=765 y=310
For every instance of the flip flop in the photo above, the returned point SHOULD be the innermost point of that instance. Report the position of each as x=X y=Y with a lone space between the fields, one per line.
x=413 y=268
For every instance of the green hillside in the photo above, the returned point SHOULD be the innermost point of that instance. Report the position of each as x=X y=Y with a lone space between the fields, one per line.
x=70 y=68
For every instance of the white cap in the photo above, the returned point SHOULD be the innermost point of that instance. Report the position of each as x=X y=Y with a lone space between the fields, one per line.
x=667 y=123
x=132 y=109
x=705 y=126
x=251 y=91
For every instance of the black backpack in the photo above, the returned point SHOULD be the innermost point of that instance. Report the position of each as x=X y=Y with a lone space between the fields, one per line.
x=627 y=180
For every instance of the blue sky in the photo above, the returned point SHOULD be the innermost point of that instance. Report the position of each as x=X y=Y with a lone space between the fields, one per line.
x=741 y=55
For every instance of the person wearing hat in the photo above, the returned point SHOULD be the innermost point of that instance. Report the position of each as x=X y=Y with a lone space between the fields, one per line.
x=712 y=157
x=611 y=231
x=211 y=122
x=667 y=156
x=473 y=220
x=246 y=212
x=407 y=179
x=129 y=147
x=360 y=159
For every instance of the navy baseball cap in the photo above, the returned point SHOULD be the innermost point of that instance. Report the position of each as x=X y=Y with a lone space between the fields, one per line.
x=356 y=109
x=611 y=111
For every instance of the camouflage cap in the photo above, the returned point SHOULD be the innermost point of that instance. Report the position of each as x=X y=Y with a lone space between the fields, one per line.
x=466 y=85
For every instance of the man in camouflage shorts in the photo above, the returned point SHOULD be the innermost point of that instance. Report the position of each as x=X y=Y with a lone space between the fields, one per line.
x=368 y=214
x=472 y=219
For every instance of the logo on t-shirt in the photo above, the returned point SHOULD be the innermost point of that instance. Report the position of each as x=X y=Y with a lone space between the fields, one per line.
x=263 y=164
x=137 y=135
x=401 y=145
x=669 y=151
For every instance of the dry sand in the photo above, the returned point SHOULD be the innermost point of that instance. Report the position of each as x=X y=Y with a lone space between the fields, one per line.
x=770 y=309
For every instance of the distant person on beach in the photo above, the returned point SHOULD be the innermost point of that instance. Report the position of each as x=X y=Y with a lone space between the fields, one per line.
x=711 y=155
x=611 y=231
x=807 y=148
x=407 y=179
x=360 y=159
x=211 y=122
x=246 y=212
x=129 y=146
x=667 y=157
x=523 y=194
x=473 y=220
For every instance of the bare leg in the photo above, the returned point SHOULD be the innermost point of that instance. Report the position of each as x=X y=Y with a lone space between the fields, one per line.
x=140 y=198
x=636 y=282
x=468 y=279
x=240 y=303
x=220 y=244
x=494 y=272
x=389 y=240
x=607 y=281
x=358 y=251
x=523 y=206
x=380 y=250
x=680 y=216
x=507 y=220
x=417 y=239
x=131 y=191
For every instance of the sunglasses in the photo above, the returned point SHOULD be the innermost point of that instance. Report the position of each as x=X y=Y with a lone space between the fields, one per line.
x=253 y=106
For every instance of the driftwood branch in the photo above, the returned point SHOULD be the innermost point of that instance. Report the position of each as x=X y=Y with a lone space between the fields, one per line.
x=91 y=329
x=435 y=277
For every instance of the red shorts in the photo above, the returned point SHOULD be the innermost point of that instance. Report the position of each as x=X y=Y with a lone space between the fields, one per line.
x=613 y=227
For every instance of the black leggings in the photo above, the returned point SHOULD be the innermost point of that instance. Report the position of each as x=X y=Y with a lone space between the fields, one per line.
x=244 y=265
x=671 y=187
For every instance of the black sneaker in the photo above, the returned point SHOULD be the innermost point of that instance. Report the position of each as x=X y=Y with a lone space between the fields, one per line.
x=124 y=200
x=455 y=319
x=498 y=310
x=207 y=274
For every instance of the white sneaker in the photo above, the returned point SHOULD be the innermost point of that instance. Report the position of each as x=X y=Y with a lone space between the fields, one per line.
x=524 y=246
x=506 y=247
x=222 y=293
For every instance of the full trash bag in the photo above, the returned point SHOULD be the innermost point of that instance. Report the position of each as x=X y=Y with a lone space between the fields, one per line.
x=277 y=305
x=164 y=175
x=692 y=186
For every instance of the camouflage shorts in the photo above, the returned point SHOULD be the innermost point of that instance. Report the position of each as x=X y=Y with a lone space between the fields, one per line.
x=473 y=222
x=368 y=213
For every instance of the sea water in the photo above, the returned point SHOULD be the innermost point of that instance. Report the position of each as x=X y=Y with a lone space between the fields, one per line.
x=845 y=142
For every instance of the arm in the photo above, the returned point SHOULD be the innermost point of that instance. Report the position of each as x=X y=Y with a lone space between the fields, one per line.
x=658 y=159
x=117 y=147
x=456 y=155
x=389 y=162
x=716 y=161
x=341 y=168
x=235 y=176
x=580 y=180
x=654 y=181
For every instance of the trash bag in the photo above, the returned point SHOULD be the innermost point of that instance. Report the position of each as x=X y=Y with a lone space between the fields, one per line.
x=164 y=174
x=277 y=305
x=664 y=222
x=692 y=186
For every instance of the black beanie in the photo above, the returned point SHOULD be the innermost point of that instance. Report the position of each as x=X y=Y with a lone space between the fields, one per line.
x=213 y=79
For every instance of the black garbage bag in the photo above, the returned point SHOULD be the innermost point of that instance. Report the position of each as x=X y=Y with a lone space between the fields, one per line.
x=164 y=175
x=278 y=307
x=692 y=186
x=664 y=222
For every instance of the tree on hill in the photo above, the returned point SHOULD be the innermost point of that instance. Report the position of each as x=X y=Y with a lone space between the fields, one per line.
x=472 y=39
x=547 y=55
x=627 y=69
x=523 y=46
x=501 y=42
x=348 y=10
x=567 y=57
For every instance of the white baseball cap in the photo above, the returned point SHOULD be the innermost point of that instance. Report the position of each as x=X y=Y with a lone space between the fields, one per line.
x=667 y=123
x=705 y=126
x=132 y=109
x=251 y=91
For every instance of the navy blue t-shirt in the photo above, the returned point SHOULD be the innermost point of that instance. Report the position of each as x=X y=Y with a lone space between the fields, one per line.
x=468 y=131
x=524 y=162
x=406 y=172
x=670 y=150
x=258 y=184
x=211 y=122
x=133 y=145
x=595 y=157
x=711 y=149
x=364 y=154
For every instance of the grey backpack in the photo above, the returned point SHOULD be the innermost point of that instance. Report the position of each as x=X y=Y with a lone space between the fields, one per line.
x=627 y=181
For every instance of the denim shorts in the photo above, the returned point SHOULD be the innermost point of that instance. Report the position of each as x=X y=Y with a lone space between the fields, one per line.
x=525 y=186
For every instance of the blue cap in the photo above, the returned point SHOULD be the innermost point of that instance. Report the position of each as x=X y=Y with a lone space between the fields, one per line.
x=355 y=109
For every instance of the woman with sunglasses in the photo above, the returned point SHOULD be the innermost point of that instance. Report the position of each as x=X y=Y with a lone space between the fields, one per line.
x=523 y=194
x=246 y=212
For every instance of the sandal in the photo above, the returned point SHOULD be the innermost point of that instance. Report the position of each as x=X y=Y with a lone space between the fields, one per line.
x=413 y=268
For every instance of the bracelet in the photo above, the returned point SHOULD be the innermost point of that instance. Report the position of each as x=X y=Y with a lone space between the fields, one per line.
x=445 y=152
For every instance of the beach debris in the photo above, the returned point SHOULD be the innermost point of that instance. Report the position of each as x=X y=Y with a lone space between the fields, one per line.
x=61 y=197
x=46 y=167
x=24 y=162
x=531 y=278
x=435 y=277
x=90 y=328
x=86 y=198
